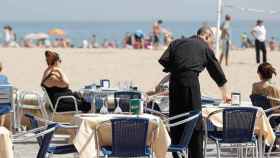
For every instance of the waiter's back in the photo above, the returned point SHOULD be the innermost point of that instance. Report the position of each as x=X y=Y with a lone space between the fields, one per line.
x=186 y=58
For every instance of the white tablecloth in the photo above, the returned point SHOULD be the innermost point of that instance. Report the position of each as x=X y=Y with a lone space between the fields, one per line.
x=85 y=139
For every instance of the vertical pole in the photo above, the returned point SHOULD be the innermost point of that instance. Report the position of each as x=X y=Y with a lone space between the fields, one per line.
x=219 y=13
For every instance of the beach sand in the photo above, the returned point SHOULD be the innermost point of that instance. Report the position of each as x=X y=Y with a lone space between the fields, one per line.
x=25 y=67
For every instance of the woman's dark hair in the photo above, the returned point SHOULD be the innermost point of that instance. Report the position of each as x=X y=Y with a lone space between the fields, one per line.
x=266 y=71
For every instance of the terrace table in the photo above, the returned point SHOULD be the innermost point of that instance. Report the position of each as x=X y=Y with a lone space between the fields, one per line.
x=85 y=139
x=263 y=128
x=6 y=146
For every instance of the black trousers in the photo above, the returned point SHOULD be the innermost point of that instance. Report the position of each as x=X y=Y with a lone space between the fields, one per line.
x=260 y=46
x=184 y=99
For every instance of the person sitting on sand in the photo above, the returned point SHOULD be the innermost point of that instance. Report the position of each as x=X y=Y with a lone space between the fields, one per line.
x=272 y=44
x=138 y=39
x=128 y=41
x=57 y=84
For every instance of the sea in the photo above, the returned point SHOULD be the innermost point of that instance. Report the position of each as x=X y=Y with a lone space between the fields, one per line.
x=115 y=31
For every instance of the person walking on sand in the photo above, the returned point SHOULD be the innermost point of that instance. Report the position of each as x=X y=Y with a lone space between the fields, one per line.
x=156 y=30
x=259 y=33
x=225 y=39
x=184 y=59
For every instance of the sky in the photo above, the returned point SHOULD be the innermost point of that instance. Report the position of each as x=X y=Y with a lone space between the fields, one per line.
x=129 y=10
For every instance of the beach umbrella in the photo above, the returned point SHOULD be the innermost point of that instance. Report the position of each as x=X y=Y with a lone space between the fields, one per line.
x=56 y=32
x=36 y=36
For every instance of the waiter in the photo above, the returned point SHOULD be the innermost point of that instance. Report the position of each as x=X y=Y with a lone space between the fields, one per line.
x=185 y=59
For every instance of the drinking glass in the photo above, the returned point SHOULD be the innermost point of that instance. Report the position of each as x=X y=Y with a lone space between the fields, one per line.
x=104 y=109
x=118 y=108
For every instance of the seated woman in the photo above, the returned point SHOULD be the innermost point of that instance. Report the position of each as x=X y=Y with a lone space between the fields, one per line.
x=265 y=88
x=57 y=84
x=3 y=78
x=3 y=81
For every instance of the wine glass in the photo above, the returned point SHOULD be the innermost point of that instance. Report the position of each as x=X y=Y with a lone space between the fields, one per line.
x=118 y=108
x=104 y=109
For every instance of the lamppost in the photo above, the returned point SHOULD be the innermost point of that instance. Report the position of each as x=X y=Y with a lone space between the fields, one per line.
x=219 y=13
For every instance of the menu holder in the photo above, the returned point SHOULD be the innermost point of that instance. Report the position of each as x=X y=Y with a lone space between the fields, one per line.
x=235 y=98
x=105 y=83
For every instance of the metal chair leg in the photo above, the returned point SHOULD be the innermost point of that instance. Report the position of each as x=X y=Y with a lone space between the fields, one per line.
x=257 y=149
x=218 y=150
x=205 y=147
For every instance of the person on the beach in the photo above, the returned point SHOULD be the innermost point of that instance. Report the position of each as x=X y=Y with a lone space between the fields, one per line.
x=3 y=77
x=128 y=41
x=266 y=88
x=57 y=84
x=93 y=42
x=225 y=39
x=184 y=59
x=7 y=36
x=138 y=39
x=259 y=33
x=3 y=81
x=272 y=44
x=156 y=30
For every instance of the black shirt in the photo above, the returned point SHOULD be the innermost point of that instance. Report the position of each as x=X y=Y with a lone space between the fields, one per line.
x=191 y=55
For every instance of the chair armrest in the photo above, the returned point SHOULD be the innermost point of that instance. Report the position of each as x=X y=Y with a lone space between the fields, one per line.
x=272 y=98
x=27 y=135
x=273 y=115
x=272 y=109
x=183 y=121
x=66 y=97
x=67 y=126
x=58 y=125
x=177 y=116
x=155 y=112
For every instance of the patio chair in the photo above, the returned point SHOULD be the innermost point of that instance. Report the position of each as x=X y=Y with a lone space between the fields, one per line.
x=190 y=120
x=260 y=101
x=274 y=118
x=276 y=132
x=30 y=100
x=7 y=103
x=54 y=107
x=125 y=96
x=238 y=129
x=44 y=138
x=129 y=137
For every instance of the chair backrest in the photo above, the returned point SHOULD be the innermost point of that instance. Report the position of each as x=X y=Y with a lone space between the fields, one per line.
x=260 y=101
x=129 y=136
x=46 y=140
x=6 y=95
x=34 y=124
x=125 y=96
x=238 y=124
x=192 y=120
x=48 y=99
